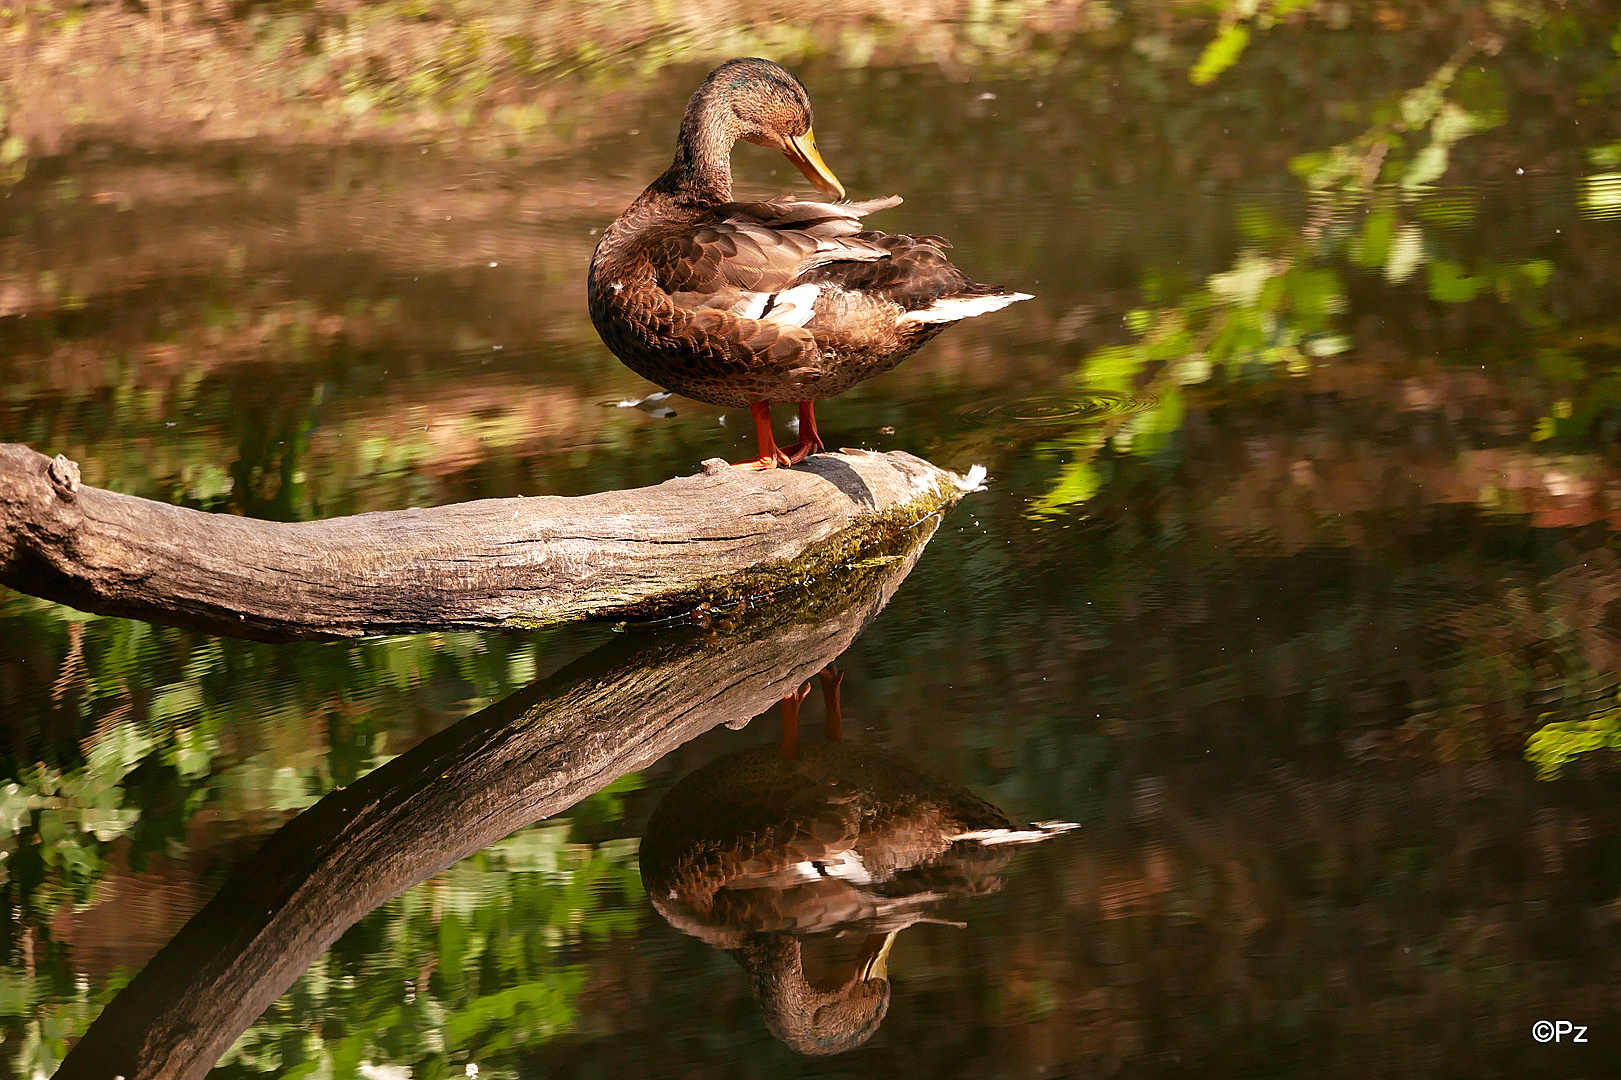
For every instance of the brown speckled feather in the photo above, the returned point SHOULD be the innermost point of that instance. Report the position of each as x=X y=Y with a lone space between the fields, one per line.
x=759 y=247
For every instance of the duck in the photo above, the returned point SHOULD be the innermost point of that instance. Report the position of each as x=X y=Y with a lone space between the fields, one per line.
x=782 y=301
x=763 y=849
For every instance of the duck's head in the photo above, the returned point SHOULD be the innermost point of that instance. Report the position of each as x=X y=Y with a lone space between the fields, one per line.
x=762 y=103
x=819 y=1021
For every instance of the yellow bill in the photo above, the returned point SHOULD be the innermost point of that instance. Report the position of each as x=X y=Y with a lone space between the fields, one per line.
x=801 y=150
x=875 y=958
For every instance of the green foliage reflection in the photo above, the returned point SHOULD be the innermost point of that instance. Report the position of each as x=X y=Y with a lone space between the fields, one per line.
x=1373 y=206
x=1557 y=743
x=467 y=968
x=141 y=728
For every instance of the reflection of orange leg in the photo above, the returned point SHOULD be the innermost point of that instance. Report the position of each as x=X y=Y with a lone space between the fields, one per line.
x=790 y=722
x=770 y=457
x=810 y=442
x=832 y=681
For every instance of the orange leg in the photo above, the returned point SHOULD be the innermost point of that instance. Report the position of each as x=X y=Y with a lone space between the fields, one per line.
x=790 y=722
x=810 y=442
x=770 y=457
x=832 y=680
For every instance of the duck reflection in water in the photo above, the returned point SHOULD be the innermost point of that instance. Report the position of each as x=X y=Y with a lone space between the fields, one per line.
x=761 y=849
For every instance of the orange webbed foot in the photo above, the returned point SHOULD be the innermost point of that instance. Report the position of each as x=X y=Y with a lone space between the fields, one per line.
x=832 y=680
x=771 y=455
x=790 y=721
x=803 y=449
x=810 y=440
x=767 y=461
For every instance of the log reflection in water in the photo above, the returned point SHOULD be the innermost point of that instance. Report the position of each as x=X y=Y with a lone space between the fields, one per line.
x=522 y=759
x=765 y=847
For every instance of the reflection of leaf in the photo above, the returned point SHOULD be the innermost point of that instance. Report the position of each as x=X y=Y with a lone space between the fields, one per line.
x=1601 y=196
x=1451 y=123
x=1427 y=166
x=1406 y=254
x=176 y=702
x=1242 y=284
x=1077 y=483
x=547 y=1009
x=16 y=994
x=1221 y=54
x=13 y=158
x=1449 y=285
x=1371 y=249
x=1608 y=156
x=1328 y=345
x=1557 y=743
x=607 y=804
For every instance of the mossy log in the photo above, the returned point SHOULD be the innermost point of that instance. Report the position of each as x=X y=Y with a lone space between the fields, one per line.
x=524 y=758
x=718 y=537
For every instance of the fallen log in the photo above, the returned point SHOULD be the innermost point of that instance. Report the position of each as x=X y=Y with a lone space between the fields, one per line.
x=524 y=758
x=716 y=538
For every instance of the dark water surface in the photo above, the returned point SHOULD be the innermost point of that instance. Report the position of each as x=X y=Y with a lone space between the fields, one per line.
x=1295 y=585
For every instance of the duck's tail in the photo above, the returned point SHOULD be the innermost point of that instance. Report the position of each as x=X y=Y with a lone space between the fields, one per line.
x=949 y=309
x=1035 y=834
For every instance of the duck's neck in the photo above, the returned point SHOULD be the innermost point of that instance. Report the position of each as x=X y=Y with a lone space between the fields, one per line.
x=702 y=169
x=777 y=974
x=809 y=1018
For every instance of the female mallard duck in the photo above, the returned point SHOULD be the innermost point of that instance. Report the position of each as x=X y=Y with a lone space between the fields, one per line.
x=763 y=303
x=758 y=850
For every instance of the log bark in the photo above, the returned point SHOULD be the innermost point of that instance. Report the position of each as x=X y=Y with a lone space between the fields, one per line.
x=719 y=537
x=529 y=756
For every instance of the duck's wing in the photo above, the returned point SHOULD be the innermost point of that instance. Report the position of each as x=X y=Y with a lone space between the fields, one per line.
x=747 y=258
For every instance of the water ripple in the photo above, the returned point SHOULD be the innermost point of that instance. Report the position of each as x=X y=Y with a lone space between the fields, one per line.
x=1049 y=408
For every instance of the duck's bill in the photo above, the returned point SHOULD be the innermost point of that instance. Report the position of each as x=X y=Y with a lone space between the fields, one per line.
x=801 y=150
x=874 y=960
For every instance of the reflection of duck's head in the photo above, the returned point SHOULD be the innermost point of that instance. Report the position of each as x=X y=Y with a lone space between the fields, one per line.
x=760 y=849
x=817 y=1020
